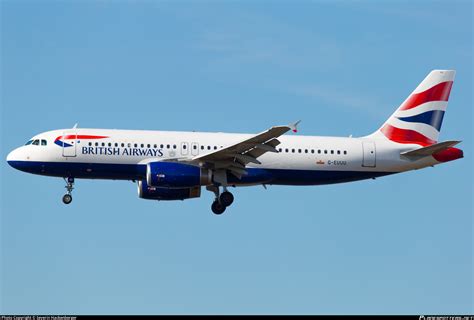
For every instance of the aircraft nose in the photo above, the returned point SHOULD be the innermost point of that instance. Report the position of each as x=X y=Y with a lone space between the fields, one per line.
x=12 y=158
x=19 y=159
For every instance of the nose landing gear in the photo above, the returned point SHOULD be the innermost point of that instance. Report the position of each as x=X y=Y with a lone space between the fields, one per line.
x=67 y=198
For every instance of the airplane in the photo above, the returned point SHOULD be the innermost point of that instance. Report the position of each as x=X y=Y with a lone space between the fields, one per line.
x=171 y=165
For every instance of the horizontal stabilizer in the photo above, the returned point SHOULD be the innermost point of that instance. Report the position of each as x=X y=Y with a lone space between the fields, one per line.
x=428 y=151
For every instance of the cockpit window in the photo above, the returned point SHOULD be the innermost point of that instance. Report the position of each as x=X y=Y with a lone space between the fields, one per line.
x=37 y=142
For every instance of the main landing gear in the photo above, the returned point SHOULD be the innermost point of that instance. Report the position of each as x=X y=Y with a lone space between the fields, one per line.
x=67 y=198
x=222 y=200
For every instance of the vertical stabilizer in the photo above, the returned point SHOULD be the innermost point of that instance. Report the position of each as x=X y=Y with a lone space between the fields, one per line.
x=418 y=119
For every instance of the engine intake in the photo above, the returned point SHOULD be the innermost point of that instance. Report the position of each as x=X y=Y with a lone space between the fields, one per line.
x=176 y=175
x=155 y=193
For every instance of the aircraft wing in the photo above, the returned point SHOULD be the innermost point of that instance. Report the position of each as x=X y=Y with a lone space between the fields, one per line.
x=235 y=157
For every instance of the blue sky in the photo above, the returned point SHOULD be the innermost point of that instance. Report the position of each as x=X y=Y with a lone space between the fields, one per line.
x=399 y=244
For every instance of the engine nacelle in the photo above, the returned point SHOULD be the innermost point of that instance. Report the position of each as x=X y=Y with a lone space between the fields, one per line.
x=155 y=193
x=176 y=175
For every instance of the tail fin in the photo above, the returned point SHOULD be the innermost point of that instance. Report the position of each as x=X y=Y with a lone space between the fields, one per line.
x=418 y=119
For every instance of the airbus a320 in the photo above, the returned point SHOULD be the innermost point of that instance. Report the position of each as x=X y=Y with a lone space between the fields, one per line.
x=172 y=165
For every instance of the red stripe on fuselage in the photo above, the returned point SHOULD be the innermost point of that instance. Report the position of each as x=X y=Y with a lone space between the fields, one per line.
x=406 y=136
x=79 y=136
x=439 y=92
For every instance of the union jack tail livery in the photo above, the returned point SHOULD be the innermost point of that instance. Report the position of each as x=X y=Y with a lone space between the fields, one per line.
x=418 y=119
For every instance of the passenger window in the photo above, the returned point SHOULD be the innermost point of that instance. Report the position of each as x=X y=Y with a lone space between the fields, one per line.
x=116 y=144
x=167 y=146
x=43 y=142
x=215 y=147
x=202 y=147
x=109 y=144
x=325 y=151
x=312 y=150
x=148 y=146
x=184 y=146
x=286 y=150
x=305 y=150
x=123 y=145
x=96 y=144
x=319 y=150
x=103 y=144
x=135 y=145
x=279 y=150
x=345 y=152
x=338 y=151
x=161 y=146
x=194 y=147
x=142 y=145
x=332 y=151
x=129 y=145
x=208 y=147
x=174 y=146
x=90 y=144
x=155 y=146
x=292 y=150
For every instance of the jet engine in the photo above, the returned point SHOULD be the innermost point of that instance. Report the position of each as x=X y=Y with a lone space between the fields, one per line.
x=176 y=175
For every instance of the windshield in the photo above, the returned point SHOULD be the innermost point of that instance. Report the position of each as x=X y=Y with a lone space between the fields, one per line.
x=37 y=142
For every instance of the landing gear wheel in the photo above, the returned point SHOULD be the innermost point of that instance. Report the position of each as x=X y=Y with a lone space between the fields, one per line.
x=217 y=207
x=67 y=199
x=226 y=198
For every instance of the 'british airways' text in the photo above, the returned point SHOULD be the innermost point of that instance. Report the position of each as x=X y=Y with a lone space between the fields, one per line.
x=109 y=151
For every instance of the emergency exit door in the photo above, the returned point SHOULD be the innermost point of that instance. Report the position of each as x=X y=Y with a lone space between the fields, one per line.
x=184 y=148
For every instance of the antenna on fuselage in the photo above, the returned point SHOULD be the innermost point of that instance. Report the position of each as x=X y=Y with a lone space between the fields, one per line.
x=75 y=126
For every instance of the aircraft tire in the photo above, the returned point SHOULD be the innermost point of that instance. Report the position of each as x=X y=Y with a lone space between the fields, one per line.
x=226 y=198
x=217 y=208
x=67 y=199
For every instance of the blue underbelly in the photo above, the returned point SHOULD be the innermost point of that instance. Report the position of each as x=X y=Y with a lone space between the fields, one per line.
x=302 y=177
x=83 y=170
x=138 y=171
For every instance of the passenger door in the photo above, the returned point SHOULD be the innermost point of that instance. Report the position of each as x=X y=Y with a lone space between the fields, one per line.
x=69 y=141
x=368 y=154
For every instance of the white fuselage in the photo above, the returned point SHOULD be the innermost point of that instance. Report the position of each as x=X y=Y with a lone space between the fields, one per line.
x=124 y=150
